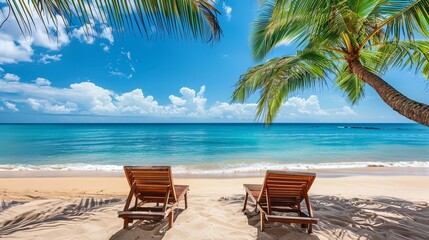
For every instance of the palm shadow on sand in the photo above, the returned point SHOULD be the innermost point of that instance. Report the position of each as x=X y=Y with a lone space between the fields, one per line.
x=153 y=230
x=355 y=218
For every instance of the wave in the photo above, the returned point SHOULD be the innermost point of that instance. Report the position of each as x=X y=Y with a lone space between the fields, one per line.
x=226 y=168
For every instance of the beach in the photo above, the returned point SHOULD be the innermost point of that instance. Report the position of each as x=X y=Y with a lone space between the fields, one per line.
x=380 y=205
x=286 y=104
x=66 y=181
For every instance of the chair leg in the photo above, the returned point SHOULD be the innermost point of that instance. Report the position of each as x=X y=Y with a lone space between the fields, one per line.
x=245 y=201
x=310 y=228
x=262 y=221
x=126 y=221
x=170 y=219
x=186 y=200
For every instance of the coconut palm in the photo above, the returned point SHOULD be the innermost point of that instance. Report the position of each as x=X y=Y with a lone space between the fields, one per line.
x=180 y=18
x=353 y=41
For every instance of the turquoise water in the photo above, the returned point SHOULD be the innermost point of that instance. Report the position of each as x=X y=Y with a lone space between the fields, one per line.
x=212 y=147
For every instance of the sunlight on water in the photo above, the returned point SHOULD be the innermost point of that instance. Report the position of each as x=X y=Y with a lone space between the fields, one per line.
x=212 y=147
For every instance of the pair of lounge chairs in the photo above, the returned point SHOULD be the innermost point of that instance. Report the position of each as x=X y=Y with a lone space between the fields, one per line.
x=281 y=191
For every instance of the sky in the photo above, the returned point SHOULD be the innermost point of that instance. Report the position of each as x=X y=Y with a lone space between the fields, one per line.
x=108 y=77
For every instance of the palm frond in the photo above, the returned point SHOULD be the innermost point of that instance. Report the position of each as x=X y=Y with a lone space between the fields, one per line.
x=403 y=54
x=406 y=18
x=310 y=24
x=179 y=18
x=272 y=27
x=350 y=84
x=279 y=77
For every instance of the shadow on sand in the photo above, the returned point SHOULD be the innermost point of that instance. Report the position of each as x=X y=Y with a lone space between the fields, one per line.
x=146 y=229
x=355 y=218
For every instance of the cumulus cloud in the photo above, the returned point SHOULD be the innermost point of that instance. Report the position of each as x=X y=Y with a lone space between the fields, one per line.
x=48 y=107
x=309 y=106
x=86 y=98
x=346 y=111
x=13 y=51
x=46 y=58
x=11 y=106
x=11 y=77
x=135 y=102
x=228 y=10
x=42 y=81
x=190 y=100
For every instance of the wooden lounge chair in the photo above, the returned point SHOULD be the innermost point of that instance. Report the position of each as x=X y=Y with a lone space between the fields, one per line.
x=282 y=191
x=153 y=186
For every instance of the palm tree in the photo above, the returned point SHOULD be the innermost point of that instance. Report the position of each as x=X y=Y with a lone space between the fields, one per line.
x=355 y=41
x=180 y=18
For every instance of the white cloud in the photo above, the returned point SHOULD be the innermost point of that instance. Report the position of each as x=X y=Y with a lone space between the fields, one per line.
x=105 y=47
x=86 y=98
x=120 y=63
x=11 y=106
x=106 y=33
x=346 y=111
x=42 y=81
x=238 y=111
x=135 y=102
x=11 y=77
x=48 y=107
x=46 y=58
x=310 y=106
x=121 y=74
x=177 y=100
x=193 y=102
x=128 y=54
x=18 y=47
x=87 y=33
x=228 y=10
x=13 y=51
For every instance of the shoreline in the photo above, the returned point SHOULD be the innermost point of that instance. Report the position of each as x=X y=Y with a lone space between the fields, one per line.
x=406 y=187
x=321 y=173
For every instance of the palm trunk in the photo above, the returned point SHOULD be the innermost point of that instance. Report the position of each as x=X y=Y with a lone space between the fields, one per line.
x=411 y=109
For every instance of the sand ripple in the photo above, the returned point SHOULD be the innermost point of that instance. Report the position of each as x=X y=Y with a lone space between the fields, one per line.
x=210 y=217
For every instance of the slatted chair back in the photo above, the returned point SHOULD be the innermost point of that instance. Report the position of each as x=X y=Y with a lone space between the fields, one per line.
x=284 y=188
x=152 y=184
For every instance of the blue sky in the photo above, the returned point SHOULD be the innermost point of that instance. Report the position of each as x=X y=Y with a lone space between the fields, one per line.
x=106 y=77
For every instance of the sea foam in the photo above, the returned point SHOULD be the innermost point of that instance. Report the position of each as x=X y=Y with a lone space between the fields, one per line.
x=228 y=168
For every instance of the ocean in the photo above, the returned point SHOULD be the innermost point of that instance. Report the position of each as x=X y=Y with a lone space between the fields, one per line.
x=212 y=148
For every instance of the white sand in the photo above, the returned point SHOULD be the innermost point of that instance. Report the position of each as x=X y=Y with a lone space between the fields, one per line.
x=374 y=207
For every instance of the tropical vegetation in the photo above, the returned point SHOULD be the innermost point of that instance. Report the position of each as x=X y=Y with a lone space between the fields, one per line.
x=353 y=42
x=178 y=18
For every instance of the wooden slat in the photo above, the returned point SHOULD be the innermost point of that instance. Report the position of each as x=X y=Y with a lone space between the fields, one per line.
x=140 y=214
x=152 y=185
x=290 y=219
x=283 y=191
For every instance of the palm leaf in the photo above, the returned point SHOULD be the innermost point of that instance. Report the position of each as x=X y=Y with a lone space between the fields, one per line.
x=407 y=17
x=279 y=77
x=352 y=86
x=402 y=54
x=179 y=18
